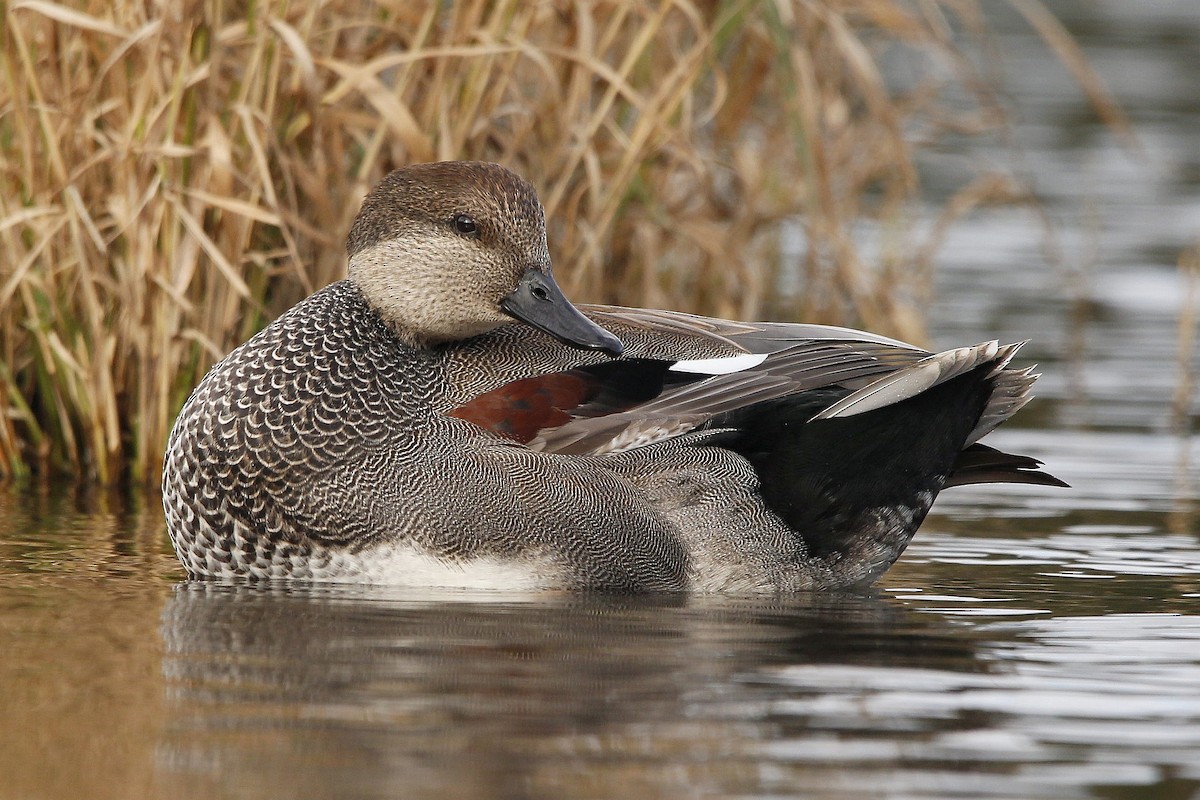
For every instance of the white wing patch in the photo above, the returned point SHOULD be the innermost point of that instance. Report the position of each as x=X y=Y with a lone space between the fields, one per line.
x=720 y=366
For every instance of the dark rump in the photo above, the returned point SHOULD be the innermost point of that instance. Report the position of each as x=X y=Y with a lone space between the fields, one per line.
x=830 y=480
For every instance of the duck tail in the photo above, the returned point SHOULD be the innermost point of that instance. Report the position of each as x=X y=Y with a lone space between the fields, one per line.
x=853 y=473
x=979 y=463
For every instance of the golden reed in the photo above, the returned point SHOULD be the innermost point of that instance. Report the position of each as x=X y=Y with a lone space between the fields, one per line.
x=176 y=174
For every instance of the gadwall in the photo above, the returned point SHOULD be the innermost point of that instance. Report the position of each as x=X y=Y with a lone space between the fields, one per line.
x=445 y=416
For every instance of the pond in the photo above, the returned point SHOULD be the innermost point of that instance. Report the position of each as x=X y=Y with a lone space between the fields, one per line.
x=1031 y=643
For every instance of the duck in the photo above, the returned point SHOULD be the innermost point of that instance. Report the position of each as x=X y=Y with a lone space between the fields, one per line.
x=445 y=417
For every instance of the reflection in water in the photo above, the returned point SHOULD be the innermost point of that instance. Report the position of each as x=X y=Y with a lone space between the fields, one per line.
x=586 y=696
x=324 y=693
x=1076 y=704
x=80 y=666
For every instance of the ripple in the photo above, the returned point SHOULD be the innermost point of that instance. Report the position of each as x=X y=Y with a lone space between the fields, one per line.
x=1075 y=555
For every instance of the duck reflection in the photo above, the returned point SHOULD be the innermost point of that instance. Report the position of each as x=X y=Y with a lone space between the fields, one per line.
x=335 y=692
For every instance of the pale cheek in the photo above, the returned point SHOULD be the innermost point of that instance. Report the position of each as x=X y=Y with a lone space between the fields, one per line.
x=433 y=292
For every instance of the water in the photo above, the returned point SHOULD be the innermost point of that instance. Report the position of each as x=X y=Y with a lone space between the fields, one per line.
x=1031 y=643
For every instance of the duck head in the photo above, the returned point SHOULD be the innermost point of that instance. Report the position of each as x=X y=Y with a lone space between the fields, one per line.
x=454 y=249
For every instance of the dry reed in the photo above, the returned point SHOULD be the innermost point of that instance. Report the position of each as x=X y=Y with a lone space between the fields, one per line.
x=174 y=175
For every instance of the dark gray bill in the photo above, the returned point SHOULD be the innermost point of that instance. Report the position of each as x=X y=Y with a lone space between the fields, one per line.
x=539 y=302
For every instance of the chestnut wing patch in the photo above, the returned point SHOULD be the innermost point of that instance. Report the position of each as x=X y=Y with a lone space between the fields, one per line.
x=521 y=409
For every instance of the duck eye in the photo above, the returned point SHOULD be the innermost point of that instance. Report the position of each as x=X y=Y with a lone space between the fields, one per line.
x=465 y=224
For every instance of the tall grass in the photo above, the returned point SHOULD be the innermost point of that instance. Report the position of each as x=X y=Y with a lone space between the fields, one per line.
x=176 y=174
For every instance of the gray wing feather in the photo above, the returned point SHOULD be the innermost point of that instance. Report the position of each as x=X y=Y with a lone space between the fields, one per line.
x=802 y=367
